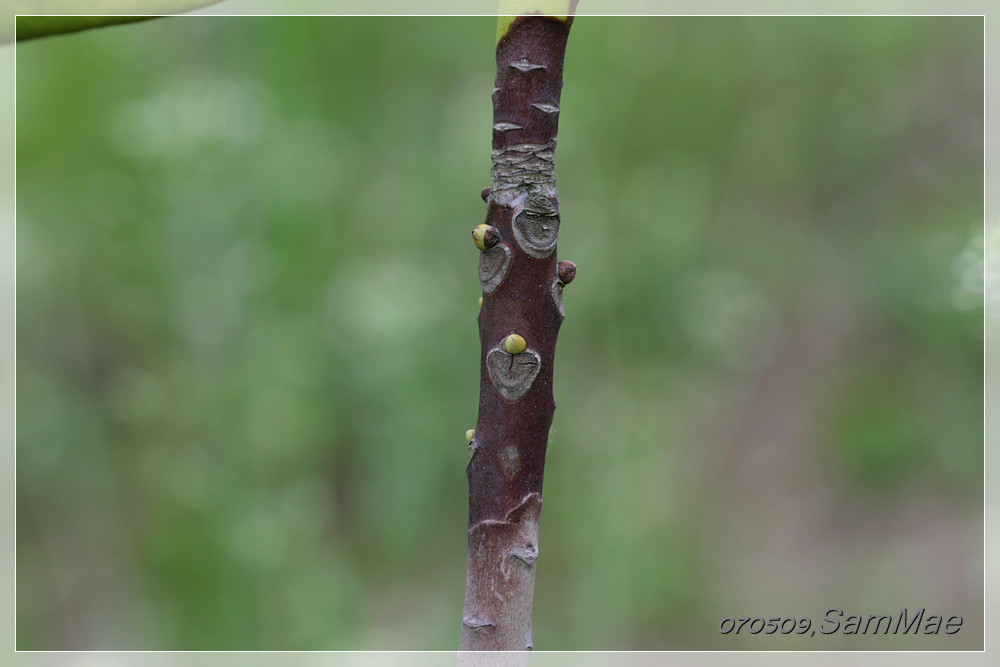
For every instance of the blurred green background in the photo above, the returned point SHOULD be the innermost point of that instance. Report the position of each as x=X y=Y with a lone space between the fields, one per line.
x=247 y=348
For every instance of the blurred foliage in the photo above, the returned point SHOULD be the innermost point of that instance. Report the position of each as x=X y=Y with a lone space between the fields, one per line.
x=44 y=18
x=247 y=349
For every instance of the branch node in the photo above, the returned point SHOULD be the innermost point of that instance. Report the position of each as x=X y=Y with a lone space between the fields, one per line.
x=493 y=266
x=527 y=554
x=536 y=225
x=512 y=374
x=557 y=298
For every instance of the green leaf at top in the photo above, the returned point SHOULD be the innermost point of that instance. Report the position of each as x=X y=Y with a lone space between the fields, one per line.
x=41 y=18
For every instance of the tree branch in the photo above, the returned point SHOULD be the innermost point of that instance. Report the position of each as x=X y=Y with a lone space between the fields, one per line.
x=518 y=324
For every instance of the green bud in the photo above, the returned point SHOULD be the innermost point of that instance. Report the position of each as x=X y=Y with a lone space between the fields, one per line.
x=514 y=344
x=485 y=236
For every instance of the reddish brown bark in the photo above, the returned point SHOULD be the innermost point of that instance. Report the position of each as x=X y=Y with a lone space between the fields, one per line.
x=523 y=295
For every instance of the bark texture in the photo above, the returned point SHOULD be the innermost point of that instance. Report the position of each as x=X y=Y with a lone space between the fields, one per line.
x=522 y=294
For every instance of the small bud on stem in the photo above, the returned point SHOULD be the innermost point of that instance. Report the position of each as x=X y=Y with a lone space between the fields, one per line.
x=567 y=271
x=485 y=236
x=514 y=344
